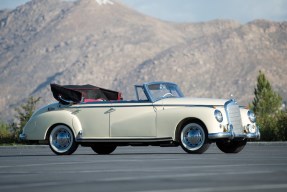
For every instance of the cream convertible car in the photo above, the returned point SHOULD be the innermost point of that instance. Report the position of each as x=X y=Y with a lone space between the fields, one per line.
x=161 y=116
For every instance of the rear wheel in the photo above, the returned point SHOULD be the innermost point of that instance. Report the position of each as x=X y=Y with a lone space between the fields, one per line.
x=231 y=146
x=62 y=140
x=103 y=149
x=193 y=138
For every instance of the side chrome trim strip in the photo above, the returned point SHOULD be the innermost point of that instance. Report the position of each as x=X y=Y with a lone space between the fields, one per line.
x=151 y=105
x=111 y=106
x=132 y=140
x=174 y=105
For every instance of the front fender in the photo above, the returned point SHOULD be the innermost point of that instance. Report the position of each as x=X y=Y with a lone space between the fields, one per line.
x=169 y=118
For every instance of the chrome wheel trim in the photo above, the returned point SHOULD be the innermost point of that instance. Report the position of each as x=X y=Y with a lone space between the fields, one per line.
x=61 y=139
x=192 y=137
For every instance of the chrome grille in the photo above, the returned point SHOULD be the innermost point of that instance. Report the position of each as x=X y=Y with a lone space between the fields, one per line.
x=234 y=117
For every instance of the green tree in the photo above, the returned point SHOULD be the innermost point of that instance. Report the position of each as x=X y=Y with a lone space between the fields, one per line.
x=24 y=112
x=267 y=107
x=266 y=101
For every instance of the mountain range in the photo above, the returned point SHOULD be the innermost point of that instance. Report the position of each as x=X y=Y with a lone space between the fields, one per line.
x=113 y=46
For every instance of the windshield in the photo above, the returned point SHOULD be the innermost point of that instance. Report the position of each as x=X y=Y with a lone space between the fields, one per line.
x=163 y=90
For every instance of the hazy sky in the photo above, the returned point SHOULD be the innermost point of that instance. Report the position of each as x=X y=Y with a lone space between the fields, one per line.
x=201 y=10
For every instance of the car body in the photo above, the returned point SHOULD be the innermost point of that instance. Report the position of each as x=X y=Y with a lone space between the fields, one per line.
x=160 y=116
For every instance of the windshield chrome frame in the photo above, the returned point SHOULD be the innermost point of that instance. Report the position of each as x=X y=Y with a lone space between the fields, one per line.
x=149 y=95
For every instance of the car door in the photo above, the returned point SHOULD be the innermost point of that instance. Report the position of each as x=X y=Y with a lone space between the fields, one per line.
x=94 y=119
x=133 y=120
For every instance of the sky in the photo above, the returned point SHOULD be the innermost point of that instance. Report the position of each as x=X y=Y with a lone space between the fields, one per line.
x=200 y=10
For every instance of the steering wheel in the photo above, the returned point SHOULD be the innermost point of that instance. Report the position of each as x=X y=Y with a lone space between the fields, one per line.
x=167 y=94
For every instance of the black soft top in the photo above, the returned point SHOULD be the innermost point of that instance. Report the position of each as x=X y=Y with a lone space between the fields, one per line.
x=67 y=94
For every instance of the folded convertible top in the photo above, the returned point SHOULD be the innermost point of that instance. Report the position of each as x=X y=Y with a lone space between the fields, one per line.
x=66 y=94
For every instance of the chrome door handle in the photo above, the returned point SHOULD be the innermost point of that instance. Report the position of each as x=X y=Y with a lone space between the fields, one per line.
x=110 y=110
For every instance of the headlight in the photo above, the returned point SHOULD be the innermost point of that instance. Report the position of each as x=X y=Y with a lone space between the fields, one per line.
x=218 y=115
x=251 y=116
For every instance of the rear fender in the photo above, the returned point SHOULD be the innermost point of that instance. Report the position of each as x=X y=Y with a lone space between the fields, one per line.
x=39 y=127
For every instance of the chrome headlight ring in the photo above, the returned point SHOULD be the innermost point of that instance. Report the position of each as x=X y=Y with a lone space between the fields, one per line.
x=251 y=128
x=251 y=116
x=218 y=115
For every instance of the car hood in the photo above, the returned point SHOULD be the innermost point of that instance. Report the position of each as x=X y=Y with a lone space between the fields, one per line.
x=193 y=101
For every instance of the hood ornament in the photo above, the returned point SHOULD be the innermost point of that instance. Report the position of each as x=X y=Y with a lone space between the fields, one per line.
x=233 y=98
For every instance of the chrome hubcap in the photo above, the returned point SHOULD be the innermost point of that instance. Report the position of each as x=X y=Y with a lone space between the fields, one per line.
x=61 y=138
x=192 y=136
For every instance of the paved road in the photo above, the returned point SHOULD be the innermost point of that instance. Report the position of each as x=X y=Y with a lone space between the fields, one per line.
x=260 y=167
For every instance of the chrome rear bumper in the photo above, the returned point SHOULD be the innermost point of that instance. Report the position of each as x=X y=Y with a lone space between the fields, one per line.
x=23 y=136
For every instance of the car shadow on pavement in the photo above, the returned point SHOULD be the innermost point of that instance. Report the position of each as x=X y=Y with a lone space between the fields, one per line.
x=26 y=155
x=115 y=154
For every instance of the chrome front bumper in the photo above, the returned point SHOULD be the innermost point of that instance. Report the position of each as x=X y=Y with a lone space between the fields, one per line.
x=232 y=135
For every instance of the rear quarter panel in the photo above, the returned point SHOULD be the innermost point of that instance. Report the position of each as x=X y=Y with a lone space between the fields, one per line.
x=37 y=127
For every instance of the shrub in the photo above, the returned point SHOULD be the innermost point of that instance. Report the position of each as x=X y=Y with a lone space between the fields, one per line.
x=24 y=112
x=5 y=134
x=282 y=127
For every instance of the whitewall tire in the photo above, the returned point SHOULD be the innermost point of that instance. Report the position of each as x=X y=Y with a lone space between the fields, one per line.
x=193 y=138
x=62 y=140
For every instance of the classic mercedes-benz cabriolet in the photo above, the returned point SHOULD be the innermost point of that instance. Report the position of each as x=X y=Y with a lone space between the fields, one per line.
x=160 y=116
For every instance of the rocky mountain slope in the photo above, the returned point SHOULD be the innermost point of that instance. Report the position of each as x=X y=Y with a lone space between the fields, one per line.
x=113 y=46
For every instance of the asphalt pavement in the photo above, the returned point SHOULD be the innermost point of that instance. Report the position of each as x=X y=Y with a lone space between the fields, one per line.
x=259 y=167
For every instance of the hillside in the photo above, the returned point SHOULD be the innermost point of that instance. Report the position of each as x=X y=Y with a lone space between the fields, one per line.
x=224 y=63
x=113 y=46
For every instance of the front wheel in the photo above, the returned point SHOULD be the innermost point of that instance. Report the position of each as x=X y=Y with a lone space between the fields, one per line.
x=103 y=149
x=193 y=138
x=231 y=146
x=62 y=140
